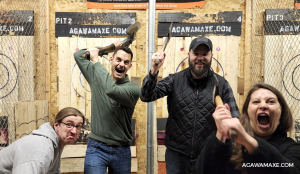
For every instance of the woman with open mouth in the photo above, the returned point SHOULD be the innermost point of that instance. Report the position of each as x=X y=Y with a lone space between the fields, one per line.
x=261 y=145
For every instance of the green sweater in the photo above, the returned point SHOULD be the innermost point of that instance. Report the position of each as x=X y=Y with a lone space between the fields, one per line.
x=112 y=103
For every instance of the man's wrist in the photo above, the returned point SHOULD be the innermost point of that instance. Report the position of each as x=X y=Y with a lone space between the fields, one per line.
x=154 y=71
x=95 y=61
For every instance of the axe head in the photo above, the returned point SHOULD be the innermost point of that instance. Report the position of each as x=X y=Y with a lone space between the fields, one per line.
x=132 y=29
x=169 y=35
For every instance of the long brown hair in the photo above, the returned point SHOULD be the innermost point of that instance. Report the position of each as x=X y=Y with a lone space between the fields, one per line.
x=285 y=122
x=68 y=111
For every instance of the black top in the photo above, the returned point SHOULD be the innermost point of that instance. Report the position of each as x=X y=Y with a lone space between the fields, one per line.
x=190 y=108
x=279 y=155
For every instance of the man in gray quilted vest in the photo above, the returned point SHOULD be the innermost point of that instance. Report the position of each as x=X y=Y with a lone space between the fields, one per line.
x=190 y=104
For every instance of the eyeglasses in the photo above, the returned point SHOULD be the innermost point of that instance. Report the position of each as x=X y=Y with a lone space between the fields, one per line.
x=70 y=126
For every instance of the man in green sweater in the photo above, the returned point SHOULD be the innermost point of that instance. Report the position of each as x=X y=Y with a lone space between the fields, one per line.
x=113 y=100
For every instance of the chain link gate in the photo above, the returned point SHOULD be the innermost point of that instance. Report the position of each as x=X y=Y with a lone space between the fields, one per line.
x=22 y=59
x=276 y=50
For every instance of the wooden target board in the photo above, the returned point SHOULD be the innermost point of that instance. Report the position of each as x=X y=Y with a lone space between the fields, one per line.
x=280 y=66
x=17 y=76
x=281 y=70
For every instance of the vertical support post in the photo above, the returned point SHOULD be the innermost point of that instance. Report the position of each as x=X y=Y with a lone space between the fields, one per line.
x=151 y=45
x=248 y=47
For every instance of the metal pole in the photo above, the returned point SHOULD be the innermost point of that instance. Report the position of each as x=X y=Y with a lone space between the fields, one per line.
x=151 y=49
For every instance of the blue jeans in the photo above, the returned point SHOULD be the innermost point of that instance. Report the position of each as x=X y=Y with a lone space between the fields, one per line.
x=178 y=164
x=100 y=156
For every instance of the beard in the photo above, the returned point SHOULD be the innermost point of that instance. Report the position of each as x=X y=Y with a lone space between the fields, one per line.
x=201 y=71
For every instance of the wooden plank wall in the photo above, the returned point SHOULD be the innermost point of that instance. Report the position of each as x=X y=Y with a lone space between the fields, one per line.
x=26 y=68
x=226 y=52
x=73 y=89
x=29 y=116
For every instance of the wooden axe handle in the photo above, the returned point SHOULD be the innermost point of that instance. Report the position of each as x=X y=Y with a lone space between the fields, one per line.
x=232 y=133
x=218 y=100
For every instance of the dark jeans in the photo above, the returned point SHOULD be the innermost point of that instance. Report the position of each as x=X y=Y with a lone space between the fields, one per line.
x=100 y=156
x=178 y=164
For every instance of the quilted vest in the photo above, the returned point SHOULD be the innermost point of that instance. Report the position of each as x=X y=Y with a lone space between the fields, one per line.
x=190 y=108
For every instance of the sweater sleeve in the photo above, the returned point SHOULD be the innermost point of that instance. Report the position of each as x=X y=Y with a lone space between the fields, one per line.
x=126 y=95
x=153 y=90
x=84 y=65
x=214 y=157
x=284 y=158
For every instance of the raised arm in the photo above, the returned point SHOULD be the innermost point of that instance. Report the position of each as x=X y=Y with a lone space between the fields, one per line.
x=151 y=89
x=84 y=65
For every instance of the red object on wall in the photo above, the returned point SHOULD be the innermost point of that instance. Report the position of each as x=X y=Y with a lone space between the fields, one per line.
x=160 y=142
x=161 y=169
x=3 y=137
x=161 y=138
x=3 y=131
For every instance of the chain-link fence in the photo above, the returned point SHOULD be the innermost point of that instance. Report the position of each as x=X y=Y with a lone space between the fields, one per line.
x=276 y=50
x=22 y=59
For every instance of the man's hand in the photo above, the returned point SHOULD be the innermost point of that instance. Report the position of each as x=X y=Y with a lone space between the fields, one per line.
x=93 y=54
x=158 y=56
x=117 y=44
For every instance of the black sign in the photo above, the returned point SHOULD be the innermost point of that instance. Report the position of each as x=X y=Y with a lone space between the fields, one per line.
x=161 y=123
x=230 y=16
x=90 y=30
x=227 y=16
x=17 y=22
x=174 y=17
x=283 y=27
x=14 y=16
x=73 y=18
x=195 y=29
x=20 y=29
x=282 y=15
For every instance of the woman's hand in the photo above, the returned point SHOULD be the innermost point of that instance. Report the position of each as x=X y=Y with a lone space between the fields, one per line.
x=226 y=123
x=221 y=113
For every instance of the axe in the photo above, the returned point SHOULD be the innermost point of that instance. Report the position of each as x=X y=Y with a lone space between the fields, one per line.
x=131 y=30
x=216 y=98
x=169 y=35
